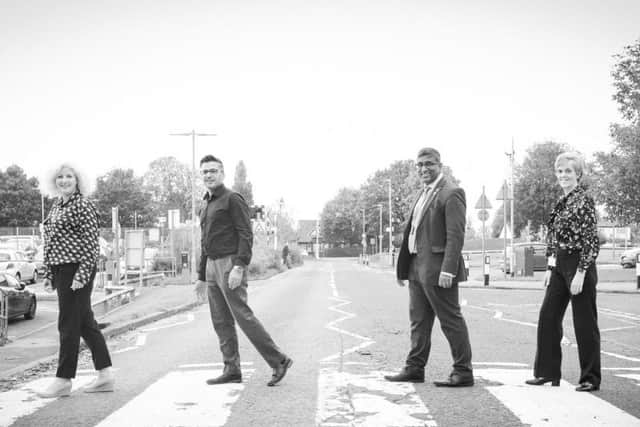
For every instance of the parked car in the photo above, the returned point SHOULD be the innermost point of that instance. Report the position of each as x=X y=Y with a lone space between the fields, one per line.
x=21 y=301
x=19 y=243
x=539 y=255
x=17 y=264
x=628 y=257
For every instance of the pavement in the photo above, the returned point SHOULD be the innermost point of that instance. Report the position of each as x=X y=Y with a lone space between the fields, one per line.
x=40 y=346
x=157 y=302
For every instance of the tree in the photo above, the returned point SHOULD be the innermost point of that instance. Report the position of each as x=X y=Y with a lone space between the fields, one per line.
x=19 y=199
x=536 y=190
x=341 y=218
x=617 y=172
x=240 y=183
x=168 y=182
x=121 y=188
x=626 y=76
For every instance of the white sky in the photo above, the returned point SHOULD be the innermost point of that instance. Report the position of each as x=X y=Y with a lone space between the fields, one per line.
x=312 y=95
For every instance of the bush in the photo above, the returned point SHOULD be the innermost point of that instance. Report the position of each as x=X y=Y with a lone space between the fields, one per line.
x=295 y=254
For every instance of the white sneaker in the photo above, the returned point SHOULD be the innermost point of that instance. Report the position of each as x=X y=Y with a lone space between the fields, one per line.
x=100 y=385
x=58 y=388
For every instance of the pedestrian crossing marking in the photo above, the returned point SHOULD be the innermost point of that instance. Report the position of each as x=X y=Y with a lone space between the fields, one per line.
x=635 y=377
x=551 y=406
x=367 y=399
x=24 y=401
x=180 y=398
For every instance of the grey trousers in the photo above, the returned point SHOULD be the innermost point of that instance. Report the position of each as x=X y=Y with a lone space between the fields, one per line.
x=229 y=306
x=426 y=301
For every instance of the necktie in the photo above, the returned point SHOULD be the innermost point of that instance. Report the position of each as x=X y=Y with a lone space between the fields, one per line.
x=416 y=217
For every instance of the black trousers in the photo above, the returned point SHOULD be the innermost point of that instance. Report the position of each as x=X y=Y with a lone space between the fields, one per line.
x=426 y=301
x=585 y=321
x=75 y=320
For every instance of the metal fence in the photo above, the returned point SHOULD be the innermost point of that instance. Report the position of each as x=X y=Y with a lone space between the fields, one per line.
x=4 y=317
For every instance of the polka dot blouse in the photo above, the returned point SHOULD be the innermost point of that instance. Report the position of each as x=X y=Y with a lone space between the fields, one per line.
x=71 y=236
x=572 y=226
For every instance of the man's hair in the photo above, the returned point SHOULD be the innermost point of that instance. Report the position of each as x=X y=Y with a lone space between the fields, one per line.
x=575 y=160
x=428 y=151
x=211 y=158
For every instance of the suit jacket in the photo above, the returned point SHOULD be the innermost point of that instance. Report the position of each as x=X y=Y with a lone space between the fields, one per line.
x=439 y=236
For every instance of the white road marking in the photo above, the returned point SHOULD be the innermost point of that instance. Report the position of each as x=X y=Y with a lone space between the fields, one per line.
x=620 y=356
x=619 y=314
x=620 y=328
x=24 y=401
x=621 y=369
x=170 y=322
x=515 y=365
x=335 y=296
x=346 y=399
x=551 y=406
x=635 y=377
x=209 y=365
x=177 y=398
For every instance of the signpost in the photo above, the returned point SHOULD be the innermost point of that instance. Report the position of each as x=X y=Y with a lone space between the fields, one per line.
x=505 y=195
x=483 y=215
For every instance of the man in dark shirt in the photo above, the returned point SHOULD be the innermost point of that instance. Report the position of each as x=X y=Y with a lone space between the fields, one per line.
x=227 y=239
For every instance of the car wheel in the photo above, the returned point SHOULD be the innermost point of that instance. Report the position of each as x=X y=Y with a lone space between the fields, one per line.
x=32 y=310
x=35 y=277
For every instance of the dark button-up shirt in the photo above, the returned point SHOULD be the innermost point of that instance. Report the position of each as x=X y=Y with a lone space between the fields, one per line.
x=226 y=228
x=572 y=226
x=71 y=236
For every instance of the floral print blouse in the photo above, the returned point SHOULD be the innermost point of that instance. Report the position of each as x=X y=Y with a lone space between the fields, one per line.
x=71 y=236
x=572 y=226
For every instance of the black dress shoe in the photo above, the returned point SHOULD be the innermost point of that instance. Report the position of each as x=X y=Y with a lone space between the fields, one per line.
x=587 y=386
x=456 y=380
x=280 y=372
x=408 y=374
x=543 y=380
x=225 y=378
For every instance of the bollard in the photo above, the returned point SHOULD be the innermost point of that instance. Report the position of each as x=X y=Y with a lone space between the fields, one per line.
x=486 y=266
x=638 y=271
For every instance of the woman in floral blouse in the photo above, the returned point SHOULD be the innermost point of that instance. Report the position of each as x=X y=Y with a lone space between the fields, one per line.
x=70 y=254
x=572 y=248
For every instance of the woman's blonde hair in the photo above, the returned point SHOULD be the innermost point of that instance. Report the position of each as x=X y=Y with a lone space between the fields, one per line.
x=575 y=159
x=82 y=180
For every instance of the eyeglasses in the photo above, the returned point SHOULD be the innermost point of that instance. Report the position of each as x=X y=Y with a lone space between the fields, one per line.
x=420 y=165
x=209 y=171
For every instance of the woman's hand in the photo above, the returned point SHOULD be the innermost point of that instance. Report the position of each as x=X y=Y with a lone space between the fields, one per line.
x=48 y=286
x=76 y=285
x=577 y=282
x=547 y=278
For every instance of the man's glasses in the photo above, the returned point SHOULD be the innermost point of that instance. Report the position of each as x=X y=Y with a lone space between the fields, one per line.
x=421 y=165
x=208 y=171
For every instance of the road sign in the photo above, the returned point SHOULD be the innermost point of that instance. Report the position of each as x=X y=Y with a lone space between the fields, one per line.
x=483 y=202
x=483 y=214
x=504 y=193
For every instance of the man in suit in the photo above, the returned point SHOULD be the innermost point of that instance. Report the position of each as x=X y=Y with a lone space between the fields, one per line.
x=431 y=259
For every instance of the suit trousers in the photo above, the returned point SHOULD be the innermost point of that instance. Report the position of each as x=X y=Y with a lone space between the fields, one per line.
x=585 y=321
x=426 y=301
x=75 y=320
x=228 y=306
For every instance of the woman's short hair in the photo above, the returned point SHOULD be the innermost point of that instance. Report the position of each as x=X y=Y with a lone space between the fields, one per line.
x=576 y=161
x=82 y=180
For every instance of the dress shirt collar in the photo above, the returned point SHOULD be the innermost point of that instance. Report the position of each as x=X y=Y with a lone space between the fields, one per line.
x=434 y=183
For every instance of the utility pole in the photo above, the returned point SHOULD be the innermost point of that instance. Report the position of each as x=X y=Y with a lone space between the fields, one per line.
x=511 y=156
x=275 y=228
x=380 y=234
x=364 y=236
x=390 y=226
x=193 y=135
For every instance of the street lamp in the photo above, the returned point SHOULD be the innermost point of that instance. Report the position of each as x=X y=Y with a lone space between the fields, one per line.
x=390 y=226
x=193 y=135
x=380 y=233
x=275 y=231
x=364 y=235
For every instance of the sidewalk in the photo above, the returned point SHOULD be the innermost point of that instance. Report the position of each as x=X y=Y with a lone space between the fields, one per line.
x=41 y=346
x=498 y=281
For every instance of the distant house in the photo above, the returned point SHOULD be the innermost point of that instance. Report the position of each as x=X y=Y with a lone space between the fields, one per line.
x=306 y=234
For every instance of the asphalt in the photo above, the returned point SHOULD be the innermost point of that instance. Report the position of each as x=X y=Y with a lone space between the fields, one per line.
x=156 y=302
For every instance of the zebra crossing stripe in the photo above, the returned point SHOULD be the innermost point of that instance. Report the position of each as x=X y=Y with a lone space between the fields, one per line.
x=347 y=399
x=551 y=406
x=24 y=401
x=180 y=397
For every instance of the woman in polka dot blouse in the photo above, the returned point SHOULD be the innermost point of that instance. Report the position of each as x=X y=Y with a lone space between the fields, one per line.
x=70 y=255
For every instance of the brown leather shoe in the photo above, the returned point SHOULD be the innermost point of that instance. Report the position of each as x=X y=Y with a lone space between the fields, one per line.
x=225 y=378
x=280 y=372
x=456 y=380
x=409 y=374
